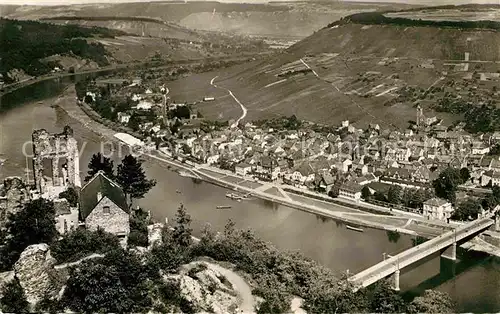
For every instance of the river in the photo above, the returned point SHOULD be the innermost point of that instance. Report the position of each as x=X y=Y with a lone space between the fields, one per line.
x=475 y=287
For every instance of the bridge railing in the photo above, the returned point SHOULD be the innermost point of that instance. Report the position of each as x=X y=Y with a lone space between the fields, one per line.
x=428 y=248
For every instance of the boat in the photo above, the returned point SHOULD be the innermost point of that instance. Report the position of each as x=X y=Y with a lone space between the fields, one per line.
x=233 y=196
x=223 y=207
x=177 y=191
x=354 y=228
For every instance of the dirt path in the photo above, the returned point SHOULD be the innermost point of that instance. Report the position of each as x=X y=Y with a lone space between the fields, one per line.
x=239 y=285
x=243 y=108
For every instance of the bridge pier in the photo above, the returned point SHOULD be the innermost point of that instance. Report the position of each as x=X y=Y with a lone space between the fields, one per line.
x=395 y=279
x=450 y=252
x=447 y=267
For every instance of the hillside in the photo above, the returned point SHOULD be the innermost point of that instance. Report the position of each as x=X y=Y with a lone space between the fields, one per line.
x=372 y=73
x=24 y=43
x=272 y=19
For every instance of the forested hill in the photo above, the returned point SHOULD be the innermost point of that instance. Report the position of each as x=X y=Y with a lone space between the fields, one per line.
x=24 y=43
x=377 y=18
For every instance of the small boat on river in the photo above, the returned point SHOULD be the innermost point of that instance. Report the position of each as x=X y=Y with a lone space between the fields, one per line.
x=223 y=207
x=354 y=228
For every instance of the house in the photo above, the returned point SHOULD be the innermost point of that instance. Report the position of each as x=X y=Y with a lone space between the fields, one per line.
x=437 y=208
x=213 y=159
x=268 y=168
x=479 y=148
x=350 y=190
x=123 y=117
x=103 y=205
x=303 y=174
x=66 y=217
x=490 y=177
x=144 y=105
x=243 y=169
x=326 y=182
x=366 y=179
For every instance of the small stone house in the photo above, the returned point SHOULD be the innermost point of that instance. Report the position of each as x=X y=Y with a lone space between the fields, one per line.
x=103 y=204
x=66 y=216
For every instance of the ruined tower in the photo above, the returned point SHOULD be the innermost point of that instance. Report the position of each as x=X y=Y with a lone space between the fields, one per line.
x=55 y=161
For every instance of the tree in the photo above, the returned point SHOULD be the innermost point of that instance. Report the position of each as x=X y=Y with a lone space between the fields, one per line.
x=365 y=193
x=32 y=225
x=394 y=194
x=467 y=209
x=115 y=284
x=380 y=196
x=464 y=174
x=446 y=185
x=71 y=196
x=14 y=299
x=139 y=220
x=182 y=229
x=385 y=300
x=495 y=191
x=132 y=178
x=100 y=163
x=134 y=122
x=432 y=302
x=81 y=242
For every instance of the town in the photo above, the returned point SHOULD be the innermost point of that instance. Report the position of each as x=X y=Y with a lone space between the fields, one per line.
x=423 y=169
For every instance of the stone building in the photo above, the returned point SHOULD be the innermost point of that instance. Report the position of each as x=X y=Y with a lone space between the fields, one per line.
x=66 y=216
x=55 y=162
x=14 y=194
x=437 y=208
x=103 y=204
x=350 y=190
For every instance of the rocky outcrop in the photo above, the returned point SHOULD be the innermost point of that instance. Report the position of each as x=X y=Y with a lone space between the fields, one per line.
x=154 y=234
x=36 y=274
x=13 y=195
x=208 y=289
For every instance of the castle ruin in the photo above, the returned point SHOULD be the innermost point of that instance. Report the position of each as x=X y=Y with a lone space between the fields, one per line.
x=55 y=161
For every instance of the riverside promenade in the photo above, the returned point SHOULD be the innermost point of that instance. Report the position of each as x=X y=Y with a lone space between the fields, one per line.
x=345 y=212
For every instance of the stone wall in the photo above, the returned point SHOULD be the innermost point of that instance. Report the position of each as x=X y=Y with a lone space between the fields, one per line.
x=55 y=147
x=115 y=222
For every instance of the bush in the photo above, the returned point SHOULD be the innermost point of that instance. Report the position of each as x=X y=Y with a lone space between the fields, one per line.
x=81 y=243
x=14 y=299
x=71 y=195
x=32 y=225
x=117 y=283
x=138 y=236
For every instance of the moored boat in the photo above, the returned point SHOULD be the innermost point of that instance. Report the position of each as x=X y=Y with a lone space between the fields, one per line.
x=223 y=207
x=354 y=228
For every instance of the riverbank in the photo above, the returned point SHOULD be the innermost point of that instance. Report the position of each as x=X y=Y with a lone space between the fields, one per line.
x=390 y=221
x=85 y=115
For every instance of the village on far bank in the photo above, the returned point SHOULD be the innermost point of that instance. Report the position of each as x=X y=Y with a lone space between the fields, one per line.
x=441 y=172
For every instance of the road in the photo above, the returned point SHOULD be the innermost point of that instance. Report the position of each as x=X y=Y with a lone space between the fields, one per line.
x=239 y=285
x=243 y=108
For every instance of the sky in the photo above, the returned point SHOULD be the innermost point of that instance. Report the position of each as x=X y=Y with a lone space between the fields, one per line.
x=68 y=2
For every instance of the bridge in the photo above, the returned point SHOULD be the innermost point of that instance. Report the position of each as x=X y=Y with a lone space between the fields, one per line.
x=445 y=243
